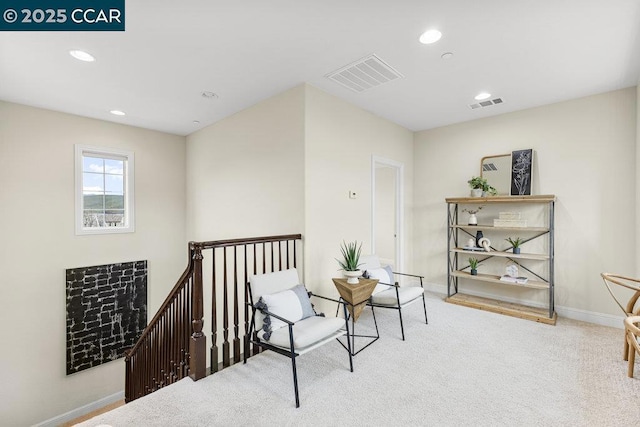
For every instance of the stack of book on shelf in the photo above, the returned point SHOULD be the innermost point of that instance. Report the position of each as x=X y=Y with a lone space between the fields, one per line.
x=509 y=219
x=519 y=280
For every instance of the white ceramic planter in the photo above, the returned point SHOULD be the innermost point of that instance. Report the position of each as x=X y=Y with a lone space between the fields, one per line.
x=352 y=276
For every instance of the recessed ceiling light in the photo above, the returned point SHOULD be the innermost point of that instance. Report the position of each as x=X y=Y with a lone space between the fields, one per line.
x=81 y=55
x=196 y=122
x=430 y=36
x=482 y=95
x=447 y=55
x=210 y=95
x=117 y=112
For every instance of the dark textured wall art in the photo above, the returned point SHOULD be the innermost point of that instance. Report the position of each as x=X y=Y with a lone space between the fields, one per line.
x=106 y=312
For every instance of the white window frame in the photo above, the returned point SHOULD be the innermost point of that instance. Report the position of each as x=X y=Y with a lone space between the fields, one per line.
x=128 y=156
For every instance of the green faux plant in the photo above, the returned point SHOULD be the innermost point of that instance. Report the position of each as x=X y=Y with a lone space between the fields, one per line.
x=515 y=243
x=478 y=182
x=350 y=256
x=473 y=263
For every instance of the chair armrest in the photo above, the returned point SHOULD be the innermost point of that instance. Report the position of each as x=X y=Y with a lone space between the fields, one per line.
x=393 y=285
x=264 y=311
x=311 y=294
x=410 y=275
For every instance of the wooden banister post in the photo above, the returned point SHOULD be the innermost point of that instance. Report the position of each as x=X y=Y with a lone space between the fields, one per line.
x=198 y=342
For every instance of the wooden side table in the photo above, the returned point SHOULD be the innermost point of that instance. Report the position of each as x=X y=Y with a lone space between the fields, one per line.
x=356 y=297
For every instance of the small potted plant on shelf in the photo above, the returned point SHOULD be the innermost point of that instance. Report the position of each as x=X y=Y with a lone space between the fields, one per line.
x=473 y=220
x=350 y=261
x=480 y=187
x=473 y=263
x=515 y=244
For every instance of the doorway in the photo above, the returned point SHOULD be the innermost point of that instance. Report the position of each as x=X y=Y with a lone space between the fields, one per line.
x=387 y=211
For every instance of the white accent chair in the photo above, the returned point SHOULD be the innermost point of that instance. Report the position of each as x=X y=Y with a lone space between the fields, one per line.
x=284 y=321
x=387 y=293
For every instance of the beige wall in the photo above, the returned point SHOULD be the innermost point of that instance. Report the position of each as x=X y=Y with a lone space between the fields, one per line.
x=245 y=174
x=585 y=155
x=38 y=244
x=339 y=144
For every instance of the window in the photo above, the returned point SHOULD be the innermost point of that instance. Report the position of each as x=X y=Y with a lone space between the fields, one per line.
x=104 y=191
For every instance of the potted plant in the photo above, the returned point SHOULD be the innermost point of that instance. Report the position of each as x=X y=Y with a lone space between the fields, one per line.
x=350 y=261
x=479 y=187
x=473 y=220
x=473 y=263
x=515 y=244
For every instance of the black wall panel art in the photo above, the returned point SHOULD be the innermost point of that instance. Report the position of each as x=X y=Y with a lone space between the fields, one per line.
x=521 y=162
x=106 y=312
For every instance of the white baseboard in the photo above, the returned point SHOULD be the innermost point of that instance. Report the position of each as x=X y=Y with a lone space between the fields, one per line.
x=83 y=410
x=602 y=319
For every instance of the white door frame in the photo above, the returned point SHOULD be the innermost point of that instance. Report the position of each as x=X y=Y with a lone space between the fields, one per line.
x=399 y=169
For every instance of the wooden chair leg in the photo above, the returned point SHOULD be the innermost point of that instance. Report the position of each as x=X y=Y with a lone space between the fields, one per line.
x=625 y=353
x=631 y=354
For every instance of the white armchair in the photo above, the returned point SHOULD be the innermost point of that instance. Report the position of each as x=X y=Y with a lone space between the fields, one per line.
x=387 y=293
x=284 y=320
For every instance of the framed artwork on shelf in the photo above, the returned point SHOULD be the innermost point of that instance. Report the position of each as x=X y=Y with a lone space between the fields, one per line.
x=521 y=162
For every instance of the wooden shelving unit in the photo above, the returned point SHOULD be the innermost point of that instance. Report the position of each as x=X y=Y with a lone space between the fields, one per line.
x=456 y=270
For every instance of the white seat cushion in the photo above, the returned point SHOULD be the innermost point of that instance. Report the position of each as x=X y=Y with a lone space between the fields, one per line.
x=405 y=293
x=306 y=332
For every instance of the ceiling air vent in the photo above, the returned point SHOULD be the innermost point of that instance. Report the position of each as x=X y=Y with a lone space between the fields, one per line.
x=486 y=103
x=364 y=74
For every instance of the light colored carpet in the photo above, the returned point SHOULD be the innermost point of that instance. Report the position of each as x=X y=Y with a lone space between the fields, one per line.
x=466 y=367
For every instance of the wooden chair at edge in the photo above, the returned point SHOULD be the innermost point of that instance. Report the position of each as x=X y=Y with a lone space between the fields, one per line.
x=631 y=312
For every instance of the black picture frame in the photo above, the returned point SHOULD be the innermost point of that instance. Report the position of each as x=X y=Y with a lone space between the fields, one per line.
x=521 y=167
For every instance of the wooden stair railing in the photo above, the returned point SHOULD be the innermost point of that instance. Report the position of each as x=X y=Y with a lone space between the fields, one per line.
x=173 y=345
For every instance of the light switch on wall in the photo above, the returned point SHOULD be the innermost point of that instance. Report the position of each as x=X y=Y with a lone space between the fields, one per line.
x=352 y=194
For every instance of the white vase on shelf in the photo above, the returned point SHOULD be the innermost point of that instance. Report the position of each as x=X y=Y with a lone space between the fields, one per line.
x=473 y=219
x=476 y=192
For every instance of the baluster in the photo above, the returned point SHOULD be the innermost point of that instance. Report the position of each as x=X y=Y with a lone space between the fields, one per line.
x=287 y=243
x=272 y=257
x=256 y=348
x=187 y=327
x=214 y=316
x=294 y=254
x=236 y=314
x=279 y=255
x=225 y=315
x=197 y=348
x=245 y=281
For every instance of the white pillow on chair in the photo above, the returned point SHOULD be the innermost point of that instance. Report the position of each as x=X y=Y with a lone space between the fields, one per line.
x=292 y=304
x=384 y=275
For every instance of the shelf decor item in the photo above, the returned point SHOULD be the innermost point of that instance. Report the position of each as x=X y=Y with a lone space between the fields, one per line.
x=515 y=244
x=480 y=187
x=473 y=263
x=350 y=261
x=477 y=185
x=473 y=219
x=521 y=162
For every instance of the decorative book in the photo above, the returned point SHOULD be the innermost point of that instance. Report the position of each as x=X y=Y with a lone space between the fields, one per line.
x=498 y=222
x=519 y=280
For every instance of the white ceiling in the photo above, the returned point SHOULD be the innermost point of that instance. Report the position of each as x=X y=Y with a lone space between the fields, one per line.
x=528 y=52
